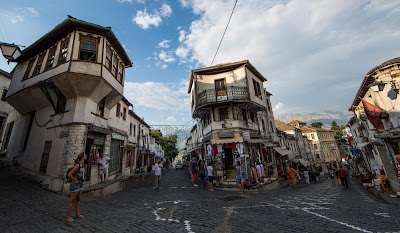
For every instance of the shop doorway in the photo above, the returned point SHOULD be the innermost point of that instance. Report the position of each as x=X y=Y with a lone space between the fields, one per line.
x=228 y=158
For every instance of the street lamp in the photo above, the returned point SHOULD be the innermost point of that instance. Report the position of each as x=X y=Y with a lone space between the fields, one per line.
x=10 y=51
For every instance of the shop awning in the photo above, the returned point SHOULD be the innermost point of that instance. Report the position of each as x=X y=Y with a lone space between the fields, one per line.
x=361 y=145
x=226 y=140
x=281 y=151
x=304 y=162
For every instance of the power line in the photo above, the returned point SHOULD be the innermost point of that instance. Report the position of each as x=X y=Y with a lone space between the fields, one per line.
x=224 y=32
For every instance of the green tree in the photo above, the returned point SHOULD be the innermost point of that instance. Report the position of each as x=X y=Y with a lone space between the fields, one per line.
x=337 y=130
x=317 y=124
x=168 y=143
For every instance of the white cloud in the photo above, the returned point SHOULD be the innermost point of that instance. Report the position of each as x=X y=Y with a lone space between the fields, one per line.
x=145 y=20
x=185 y=3
x=13 y=17
x=300 y=46
x=171 y=119
x=182 y=52
x=33 y=11
x=182 y=35
x=164 y=44
x=166 y=56
x=158 y=96
x=125 y=1
x=165 y=10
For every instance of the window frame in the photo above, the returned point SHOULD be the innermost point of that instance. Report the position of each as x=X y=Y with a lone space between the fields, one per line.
x=53 y=50
x=100 y=107
x=39 y=63
x=226 y=116
x=109 y=51
x=114 y=69
x=120 y=72
x=220 y=89
x=118 y=110
x=29 y=68
x=63 y=45
x=88 y=50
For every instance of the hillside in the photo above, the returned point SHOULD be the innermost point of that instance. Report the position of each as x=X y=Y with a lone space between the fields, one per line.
x=326 y=117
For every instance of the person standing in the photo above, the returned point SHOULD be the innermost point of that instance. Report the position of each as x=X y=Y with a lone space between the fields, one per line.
x=239 y=179
x=194 y=169
x=342 y=173
x=292 y=175
x=76 y=175
x=210 y=174
x=157 y=168
x=202 y=173
x=306 y=176
x=332 y=176
x=103 y=166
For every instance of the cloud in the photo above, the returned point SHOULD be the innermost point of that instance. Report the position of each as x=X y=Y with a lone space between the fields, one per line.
x=171 y=119
x=182 y=52
x=301 y=46
x=125 y=1
x=166 y=56
x=17 y=15
x=165 y=10
x=182 y=35
x=158 y=96
x=145 y=20
x=33 y=11
x=164 y=44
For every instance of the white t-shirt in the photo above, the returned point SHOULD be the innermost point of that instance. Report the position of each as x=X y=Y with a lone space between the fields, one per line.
x=157 y=169
x=210 y=170
x=306 y=174
x=103 y=161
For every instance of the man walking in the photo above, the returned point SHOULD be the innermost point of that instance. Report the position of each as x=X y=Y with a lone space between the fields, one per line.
x=103 y=166
x=194 y=169
x=342 y=173
x=157 y=172
x=292 y=175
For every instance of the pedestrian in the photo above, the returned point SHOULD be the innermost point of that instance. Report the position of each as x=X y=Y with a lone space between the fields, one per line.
x=76 y=175
x=202 y=173
x=103 y=166
x=292 y=175
x=342 y=173
x=157 y=168
x=210 y=174
x=332 y=176
x=194 y=169
x=306 y=176
x=239 y=179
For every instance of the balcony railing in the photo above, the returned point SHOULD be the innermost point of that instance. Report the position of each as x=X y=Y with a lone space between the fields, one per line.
x=232 y=93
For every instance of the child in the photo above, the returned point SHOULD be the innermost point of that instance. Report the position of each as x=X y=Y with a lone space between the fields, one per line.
x=210 y=173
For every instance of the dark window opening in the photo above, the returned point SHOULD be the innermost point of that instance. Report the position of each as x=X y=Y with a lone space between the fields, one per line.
x=31 y=117
x=220 y=87
x=120 y=72
x=88 y=49
x=100 y=107
x=3 y=95
x=39 y=64
x=130 y=129
x=45 y=157
x=7 y=135
x=51 y=58
x=108 y=57
x=28 y=70
x=124 y=114
x=257 y=88
x=115 y=66
x=63 y=51
x=223 y=113
x=118 y=112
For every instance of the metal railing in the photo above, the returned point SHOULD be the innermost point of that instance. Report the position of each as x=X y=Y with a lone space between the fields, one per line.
x=232 y=93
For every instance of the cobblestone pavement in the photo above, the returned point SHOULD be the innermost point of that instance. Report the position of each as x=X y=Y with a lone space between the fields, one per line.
x=180 y=207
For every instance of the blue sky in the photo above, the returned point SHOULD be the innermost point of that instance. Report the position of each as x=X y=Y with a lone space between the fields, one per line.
x=314 y=54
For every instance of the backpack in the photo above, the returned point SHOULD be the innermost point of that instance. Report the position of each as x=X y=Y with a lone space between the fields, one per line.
x=68 y=171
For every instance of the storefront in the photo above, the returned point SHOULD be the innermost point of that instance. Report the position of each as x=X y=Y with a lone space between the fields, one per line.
x=95 y=145
x=116 y=152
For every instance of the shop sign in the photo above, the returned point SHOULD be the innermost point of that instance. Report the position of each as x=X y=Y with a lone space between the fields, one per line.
x=246 y=135
x=117 y=136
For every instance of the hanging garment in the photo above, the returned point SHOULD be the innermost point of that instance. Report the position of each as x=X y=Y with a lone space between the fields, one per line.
x=262 y=170
x=254 y=173
x=209 y=150
x=219 y=149
x=259 y=173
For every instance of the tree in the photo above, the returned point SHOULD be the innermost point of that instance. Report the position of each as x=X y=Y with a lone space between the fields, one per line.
x=317 y=124
x=338 y=131
x=168 y=143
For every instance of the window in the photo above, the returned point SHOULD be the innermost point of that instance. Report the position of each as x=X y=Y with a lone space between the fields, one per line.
x=120 y=72
x=124 y=114
x=118 y=112
x=3 y=95
x=39 y=64
x=220 y=89
x=134 y=130
x=63 y=51
x=268 y=104
x=51 y=58
x=61 y=102
x=223 y=113
x=114 y=66
x=100 y=107
x=88 y=49
x=28 y=70
x=130 y=129
x=108 y=57
x=257 y=88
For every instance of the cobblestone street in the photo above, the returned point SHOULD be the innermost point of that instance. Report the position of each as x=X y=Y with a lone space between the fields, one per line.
x=179 y=207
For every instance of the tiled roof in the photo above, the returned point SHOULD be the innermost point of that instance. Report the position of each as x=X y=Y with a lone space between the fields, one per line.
x=283 y=126
x=305 y=129
x=296 y=122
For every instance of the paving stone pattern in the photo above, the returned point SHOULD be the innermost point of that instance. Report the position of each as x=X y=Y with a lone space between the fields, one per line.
x=180 y=207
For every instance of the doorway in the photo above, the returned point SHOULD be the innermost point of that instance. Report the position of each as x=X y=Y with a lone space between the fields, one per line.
x=228 y=158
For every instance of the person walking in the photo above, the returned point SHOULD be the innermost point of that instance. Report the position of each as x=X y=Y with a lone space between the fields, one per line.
x=292 y=175
x=103 y=166
x=332 y=176
x=342 y=173
x=306 y=176
x=210 y=174
x=202 y=173
x=76 y=175
x=239 y=179
x=194 y=169
x=157 y=168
